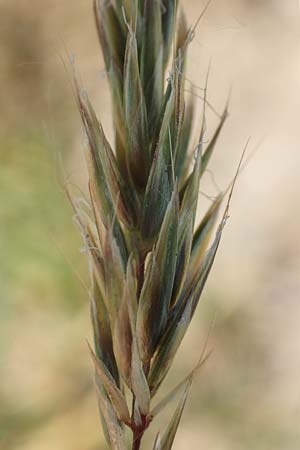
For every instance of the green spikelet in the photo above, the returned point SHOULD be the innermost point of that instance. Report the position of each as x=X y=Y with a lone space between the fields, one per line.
x=149 y=260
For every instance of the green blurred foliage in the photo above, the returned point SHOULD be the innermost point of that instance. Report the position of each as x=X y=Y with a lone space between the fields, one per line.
x=37 y=229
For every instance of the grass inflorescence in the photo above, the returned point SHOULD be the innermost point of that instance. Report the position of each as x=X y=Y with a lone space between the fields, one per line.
x=149 y=259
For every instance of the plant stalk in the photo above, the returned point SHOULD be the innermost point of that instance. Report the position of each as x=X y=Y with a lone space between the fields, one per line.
x=137 y=439
x=138 y=430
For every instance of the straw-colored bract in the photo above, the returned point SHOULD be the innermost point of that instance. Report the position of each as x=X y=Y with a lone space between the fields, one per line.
x=149 y=261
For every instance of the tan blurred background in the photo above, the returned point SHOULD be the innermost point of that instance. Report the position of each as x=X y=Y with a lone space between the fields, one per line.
x=248 y=395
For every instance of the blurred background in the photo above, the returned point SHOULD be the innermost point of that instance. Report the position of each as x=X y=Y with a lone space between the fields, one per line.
x=247 y=397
